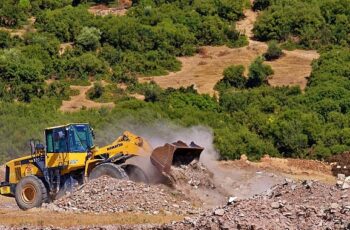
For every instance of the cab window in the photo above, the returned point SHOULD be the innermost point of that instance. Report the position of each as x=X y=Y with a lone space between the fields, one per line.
x=75 y=144
x=56 y=141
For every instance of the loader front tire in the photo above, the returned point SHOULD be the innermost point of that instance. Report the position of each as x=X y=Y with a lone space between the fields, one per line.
x=108 y=169
x=30 y=193
x=136 y=174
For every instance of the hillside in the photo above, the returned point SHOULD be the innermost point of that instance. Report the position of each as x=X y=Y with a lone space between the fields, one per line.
x=263 y=86
x=198 y=47
x=205 y=69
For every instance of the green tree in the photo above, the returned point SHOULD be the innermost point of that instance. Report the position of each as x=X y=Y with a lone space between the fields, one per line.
x=273 y=51
x=258 y=73
x=89 y=38
x=233 y=77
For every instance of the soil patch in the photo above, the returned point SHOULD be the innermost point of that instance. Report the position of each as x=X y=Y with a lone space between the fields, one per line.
x=80 y=101
x=205 y=69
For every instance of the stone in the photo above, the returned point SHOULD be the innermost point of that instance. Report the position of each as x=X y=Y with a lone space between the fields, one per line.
x=307 y=184
x=345 y=186
x=340 y=183
x=334 y=206
x=219 y=212
x=341 y=176
x=275 y=205
x=231 y=200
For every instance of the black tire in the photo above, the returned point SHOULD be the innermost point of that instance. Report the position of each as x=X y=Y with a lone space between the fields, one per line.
x=136 y=174
x=30 y=193
x=108 y=169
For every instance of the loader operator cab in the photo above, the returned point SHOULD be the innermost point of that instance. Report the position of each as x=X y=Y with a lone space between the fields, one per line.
x=71 y=138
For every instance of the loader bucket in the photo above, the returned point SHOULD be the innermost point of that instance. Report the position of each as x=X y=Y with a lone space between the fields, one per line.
x=177 y=153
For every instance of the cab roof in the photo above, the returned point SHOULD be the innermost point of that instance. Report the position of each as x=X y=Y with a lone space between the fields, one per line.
x=62 y=126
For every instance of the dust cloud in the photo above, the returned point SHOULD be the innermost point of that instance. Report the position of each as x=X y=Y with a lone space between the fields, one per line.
x=230 y=181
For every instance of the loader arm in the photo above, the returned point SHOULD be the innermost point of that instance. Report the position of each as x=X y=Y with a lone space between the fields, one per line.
x=127 y=144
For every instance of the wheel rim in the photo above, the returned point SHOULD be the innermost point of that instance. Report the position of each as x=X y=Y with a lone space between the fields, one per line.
x=28 y=193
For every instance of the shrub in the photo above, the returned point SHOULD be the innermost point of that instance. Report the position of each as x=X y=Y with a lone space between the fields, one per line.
x=273 y=52
x=258 y=73
x=261 y=4
x=89 y=38
x=5 y=39
x=96 y=91
x=233 y=77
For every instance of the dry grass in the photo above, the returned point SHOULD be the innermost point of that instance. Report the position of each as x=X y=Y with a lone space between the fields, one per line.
x=297 y=169
x=39 y=217
x=292 y=69
x=80 y=100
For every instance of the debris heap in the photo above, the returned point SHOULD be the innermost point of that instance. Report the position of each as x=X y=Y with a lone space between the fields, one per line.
x=195 y=174
x=307 y=205
x=111 y=195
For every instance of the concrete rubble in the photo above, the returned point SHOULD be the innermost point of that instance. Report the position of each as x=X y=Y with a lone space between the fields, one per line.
x=291 y=205
x=112 y=195
x=288 y=205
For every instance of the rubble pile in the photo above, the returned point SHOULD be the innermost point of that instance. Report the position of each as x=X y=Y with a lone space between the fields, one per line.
x=307 y=205
x=195 y=174
x=111 y=195
x=340 y=163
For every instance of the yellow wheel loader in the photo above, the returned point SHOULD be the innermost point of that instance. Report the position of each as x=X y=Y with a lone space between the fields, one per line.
x=70 y=158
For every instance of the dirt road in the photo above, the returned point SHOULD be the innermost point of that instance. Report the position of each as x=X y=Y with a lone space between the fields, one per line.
x=79 y=101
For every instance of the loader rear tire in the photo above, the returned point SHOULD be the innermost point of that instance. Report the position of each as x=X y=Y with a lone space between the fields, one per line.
x=108 y=169
x=30 y=193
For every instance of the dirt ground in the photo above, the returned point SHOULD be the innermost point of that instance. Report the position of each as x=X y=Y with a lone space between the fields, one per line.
x=205 y=70
x=22 y=31
x=80 y=101
x=241 y=179
x=103 y=10
x=296 y=169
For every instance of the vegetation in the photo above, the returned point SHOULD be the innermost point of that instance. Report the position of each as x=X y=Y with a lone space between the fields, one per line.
x=96 y=91
x=258 y=73
x=273 y=51
x=249 y=117
x=310 y=24
x=233 y=77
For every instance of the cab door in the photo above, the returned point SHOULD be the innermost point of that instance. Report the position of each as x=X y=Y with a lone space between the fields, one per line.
x=57 y=148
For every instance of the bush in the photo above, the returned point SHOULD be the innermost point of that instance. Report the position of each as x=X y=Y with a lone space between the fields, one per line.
x=310 y=24
x=85 y=65
x=5 y=39
x=233 y=77
x=89 y=38
x=96 y=91
x=273 y=52
x=258 y=73
x=261 y=4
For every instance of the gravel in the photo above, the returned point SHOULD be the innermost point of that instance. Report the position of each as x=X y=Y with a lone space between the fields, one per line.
x=307 y=205
x=111 y=195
